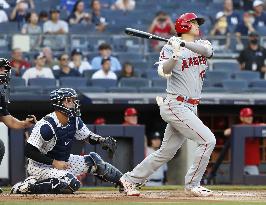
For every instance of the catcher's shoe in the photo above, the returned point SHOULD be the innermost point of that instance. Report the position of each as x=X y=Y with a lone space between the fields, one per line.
x=23 y=187
x=198 y=191
x=129 y=188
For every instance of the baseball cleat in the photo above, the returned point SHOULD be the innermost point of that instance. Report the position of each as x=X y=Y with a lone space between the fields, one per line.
x=23 y=187
x=129 y=188
x=1 y=191
x=198 y=191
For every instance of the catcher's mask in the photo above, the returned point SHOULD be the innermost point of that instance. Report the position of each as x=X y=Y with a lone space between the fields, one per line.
x=57 y=98
x=5 y=76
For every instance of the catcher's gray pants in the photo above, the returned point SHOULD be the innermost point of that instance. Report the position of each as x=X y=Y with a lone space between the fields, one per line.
x=2 y=150
x=183 y=123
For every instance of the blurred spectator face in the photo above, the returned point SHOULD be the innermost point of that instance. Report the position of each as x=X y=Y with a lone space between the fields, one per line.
x=43 y=16
x=100 y=121
x=17 y=54
x=96 y=5
x=105 y=53
x=253 y=39
x=128 y=70
x=55 y=16
x=64 y=60
x=248 y=18
x=80 y=7
x=77 y=58
x=40 y=62
x=258 y=9
x=246 y=120
x=228 y=5
x=34 y=18
x=156 y=143
x=47 y=52
x=222 y=23
x=131 y=116
x=246 y=116
x=22 y=7
x=106 y=66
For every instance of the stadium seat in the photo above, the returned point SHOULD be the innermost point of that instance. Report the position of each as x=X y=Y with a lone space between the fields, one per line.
x=105 y=83
x=42 y=82
x=92 y=89
x=227 y=66
x=159 y=82
x=247 y=75
x=151 y=74
x=141 y=65
x=123 y=57
x=152 y=90
x=73 y=82
x=17 y=82
x=122 y=90
x=217 y=76
x=258 y=84
x=9 y=27
x=89 y=73
x=81 y=29
x=212 y=89
x=235 y=85
x=134 y=82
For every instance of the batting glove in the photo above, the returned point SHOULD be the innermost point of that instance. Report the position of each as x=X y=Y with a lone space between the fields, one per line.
x=175 y=42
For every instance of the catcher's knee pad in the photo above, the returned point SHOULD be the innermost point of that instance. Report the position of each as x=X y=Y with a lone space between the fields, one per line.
x=2 y=150
x=102 y=169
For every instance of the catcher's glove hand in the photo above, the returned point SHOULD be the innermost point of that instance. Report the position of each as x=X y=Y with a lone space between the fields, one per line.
x=109 y=144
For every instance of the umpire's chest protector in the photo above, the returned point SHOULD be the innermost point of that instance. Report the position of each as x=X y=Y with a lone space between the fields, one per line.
x=64 y=139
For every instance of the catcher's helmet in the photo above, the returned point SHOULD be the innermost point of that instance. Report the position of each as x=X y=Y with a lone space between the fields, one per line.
x=59 y=95
x=5 y=77
x=183 y=25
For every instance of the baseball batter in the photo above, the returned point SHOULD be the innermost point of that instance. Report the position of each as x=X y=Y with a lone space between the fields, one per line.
x=51 y=167
x=184 y=67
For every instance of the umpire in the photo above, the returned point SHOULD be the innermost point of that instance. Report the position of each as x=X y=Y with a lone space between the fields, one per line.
x=5 y=117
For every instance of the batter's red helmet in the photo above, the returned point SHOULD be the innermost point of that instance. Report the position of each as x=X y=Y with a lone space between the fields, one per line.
x=246 y=112
x=183 y=25
x=130 y=111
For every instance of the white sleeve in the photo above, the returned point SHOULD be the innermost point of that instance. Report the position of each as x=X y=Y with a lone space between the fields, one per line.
x=166 y=53
x=65 y=27
x=50 y=73
x=25 y=76
x=83 y=131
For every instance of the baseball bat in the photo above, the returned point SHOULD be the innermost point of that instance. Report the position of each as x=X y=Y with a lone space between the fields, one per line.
x=143 y=34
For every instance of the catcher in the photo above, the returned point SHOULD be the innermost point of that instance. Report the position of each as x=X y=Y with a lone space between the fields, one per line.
x=52 y=169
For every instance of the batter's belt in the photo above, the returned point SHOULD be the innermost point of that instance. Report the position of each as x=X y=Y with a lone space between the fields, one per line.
x=192 y=101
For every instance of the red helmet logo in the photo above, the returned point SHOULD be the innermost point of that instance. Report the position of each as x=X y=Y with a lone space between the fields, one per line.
x=183 y=25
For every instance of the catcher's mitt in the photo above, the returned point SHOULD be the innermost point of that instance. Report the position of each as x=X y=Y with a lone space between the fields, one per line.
x=109 y=144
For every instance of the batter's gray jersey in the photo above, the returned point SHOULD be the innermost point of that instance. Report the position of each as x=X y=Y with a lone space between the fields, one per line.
x=188 y=74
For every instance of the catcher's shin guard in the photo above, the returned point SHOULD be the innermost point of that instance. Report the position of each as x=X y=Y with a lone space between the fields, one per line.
x=102 y=169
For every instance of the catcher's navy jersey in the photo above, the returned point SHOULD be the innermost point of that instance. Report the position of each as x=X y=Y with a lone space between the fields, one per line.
x=54 y=139
x=3 y=106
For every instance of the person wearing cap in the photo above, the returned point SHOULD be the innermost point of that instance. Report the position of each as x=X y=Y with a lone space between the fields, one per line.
x=17 y=62
x=252 y=145
x=77 y=62
x=39 y=71
x=105 y=72
x=130 y=116
x=260 y=15
x=221 y=28
x=105 y=51
x=253 y=57
x=65 y=70
x=158 y=178
x=55 y=25
x=99 y=121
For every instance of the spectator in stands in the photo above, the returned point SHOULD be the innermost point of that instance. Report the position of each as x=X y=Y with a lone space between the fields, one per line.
x=19 y=13
x=252 y=145
x=124 y=5
x=32 y=27
x=232 y=17
x=127 y=71
x=55 y=25
x=162 y=25
x=99 y=121
x=17 y=62
x=77 y=62
x=3 y=15
x=220 y=28
x=30 y=3
x=105 y=72
x=253 y=57
x=50 y=61
x=158 y=178
x=39 y=71
x=105 y=51
x=260 y=15
x=97 y=19
x=78 y=15
x=65 y=70
x=67 y=5
x=130 y=116
x=43 y=16
x=4 y=4
x=244 y=28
